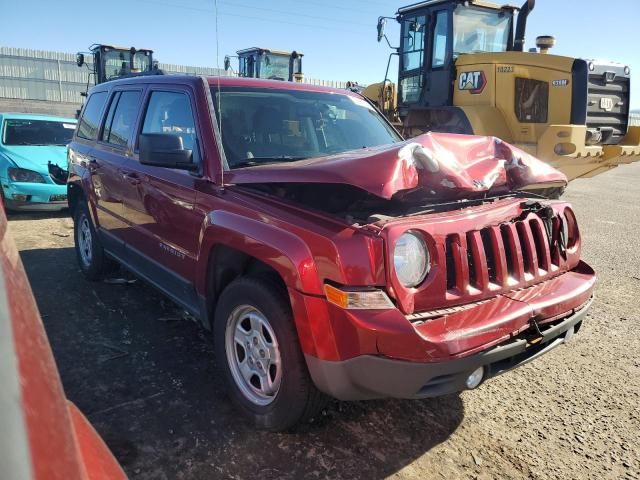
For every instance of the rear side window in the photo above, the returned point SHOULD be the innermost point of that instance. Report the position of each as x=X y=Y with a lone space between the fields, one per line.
x=121 y=118
x=170 y=112
x=88 y=126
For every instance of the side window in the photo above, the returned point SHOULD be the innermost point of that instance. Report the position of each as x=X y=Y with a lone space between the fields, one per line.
x=413 y=43
x=107 y=123
x=90 y=120
x=121 y=118
x=170 y=112
x=440 y=40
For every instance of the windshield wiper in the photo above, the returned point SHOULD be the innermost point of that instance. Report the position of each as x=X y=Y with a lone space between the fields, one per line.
x=255 y=161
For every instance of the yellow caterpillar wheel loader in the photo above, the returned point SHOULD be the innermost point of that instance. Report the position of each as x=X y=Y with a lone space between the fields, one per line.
x=110 y=62
x=462 y=69
x=270 y=64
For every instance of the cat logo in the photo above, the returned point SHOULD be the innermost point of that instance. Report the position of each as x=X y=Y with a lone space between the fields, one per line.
x=473 y=82
x=606 y=104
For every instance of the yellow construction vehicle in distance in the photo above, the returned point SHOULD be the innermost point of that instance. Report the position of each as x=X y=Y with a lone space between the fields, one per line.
x=463 y=69
x=110 y=62
x=270 y=64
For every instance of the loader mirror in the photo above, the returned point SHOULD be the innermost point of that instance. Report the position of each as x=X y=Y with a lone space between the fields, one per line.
x=227 y=62
x=381 y=23
x=80 y=59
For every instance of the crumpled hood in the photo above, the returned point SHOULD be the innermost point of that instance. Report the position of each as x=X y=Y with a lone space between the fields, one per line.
x=438 y=164
x=36 y=157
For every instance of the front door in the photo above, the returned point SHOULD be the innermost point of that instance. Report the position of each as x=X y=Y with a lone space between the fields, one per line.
x=163 y=224
x=412 y=58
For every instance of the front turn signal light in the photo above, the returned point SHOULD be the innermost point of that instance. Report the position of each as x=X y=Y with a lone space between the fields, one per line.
x=358 y=299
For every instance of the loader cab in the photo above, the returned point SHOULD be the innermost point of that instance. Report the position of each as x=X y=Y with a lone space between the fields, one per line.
x=110 y=62
x=434 y=34
x=270 y=64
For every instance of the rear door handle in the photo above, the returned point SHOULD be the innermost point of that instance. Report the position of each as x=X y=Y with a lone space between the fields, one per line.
x=93 y=163
x=131 y=177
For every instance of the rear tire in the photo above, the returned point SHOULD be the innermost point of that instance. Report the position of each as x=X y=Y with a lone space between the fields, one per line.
x=258 y=355
x=92 y=259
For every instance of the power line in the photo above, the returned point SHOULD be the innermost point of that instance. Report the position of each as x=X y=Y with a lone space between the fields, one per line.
x=281 y=12
x=324 y=5
x=229 y=14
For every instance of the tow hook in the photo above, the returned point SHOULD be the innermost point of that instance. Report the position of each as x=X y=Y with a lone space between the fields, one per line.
x=536 y=335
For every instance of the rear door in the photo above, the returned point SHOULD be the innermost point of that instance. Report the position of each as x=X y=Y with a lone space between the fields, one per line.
x=111 y=150
x=86 y=134
x=163 y=223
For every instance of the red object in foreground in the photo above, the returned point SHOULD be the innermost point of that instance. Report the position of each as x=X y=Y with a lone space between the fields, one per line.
x=327 y=254
x=44 y=436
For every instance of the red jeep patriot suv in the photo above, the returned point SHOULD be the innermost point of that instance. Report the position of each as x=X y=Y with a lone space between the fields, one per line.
x=329 y=256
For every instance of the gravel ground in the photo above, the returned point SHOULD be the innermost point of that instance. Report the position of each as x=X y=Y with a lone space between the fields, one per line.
x=144 y=377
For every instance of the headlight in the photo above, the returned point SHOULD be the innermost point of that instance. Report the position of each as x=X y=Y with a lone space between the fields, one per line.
x=411 y=259
x=27 y=176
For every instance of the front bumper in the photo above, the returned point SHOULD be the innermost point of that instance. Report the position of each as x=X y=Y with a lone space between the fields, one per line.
x=368 y=377
x=586 y=160
x=34 y=196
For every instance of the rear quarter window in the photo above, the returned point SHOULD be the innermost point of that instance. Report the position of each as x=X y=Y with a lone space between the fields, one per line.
x=90 y=120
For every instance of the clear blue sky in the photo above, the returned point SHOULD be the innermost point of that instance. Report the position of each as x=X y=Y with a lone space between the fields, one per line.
x=336 y=36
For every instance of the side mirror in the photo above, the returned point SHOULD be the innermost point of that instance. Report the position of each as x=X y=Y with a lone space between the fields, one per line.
x=165 y=150
x=80 y=59
x=531 y=4
x=381 y=23
x=227 y=62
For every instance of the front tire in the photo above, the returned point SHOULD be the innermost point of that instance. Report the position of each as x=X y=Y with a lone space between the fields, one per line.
x=92 y=259
x=258 y=355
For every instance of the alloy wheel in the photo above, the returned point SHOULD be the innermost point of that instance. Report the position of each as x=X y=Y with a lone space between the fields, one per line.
x=253 y=355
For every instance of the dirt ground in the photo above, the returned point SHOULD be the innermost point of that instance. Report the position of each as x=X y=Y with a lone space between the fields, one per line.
x=144 y=377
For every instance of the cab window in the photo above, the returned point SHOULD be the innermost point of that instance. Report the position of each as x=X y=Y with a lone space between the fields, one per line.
x=413 y=43
x=440 y=35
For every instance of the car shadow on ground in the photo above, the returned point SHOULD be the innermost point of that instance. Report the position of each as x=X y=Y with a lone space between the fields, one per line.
x=26 y=215
x=144 y=374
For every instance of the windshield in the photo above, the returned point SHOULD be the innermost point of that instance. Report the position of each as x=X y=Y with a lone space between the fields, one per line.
x=274 y=67
x=117 y=63
x=37 y=132
x=141 y=62
x=267 y=126
x=478 y=30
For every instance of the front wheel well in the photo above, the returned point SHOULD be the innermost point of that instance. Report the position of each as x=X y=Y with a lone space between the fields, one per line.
x=226 y=264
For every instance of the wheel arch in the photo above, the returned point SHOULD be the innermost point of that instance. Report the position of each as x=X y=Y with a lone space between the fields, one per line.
x=75 y=193
x=235 y=245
